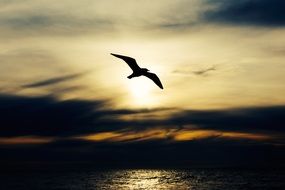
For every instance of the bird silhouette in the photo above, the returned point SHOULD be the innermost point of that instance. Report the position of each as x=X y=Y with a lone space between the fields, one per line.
x=137 y=71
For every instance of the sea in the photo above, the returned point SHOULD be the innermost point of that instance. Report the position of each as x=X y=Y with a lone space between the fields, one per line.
x=117 y=179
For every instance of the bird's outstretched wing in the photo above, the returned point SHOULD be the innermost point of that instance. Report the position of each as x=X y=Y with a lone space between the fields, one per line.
x=154 y=78
x=130 y=61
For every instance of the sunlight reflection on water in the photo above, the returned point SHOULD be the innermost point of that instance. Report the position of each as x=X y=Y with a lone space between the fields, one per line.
x=148 y=179
x=134 y=179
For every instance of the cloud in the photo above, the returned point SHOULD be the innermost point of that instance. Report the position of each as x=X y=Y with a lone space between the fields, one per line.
x=51 y=18
x=44 y=116
x=197 y=72
x=55 y=18
x=18 y=64
x=260 y=119
x=50 y=25
x=204 y=71
x=40 y=18
x=268 y=13
x=53 y=81
x=49 y=21
x=50 y=128
x=48 y=117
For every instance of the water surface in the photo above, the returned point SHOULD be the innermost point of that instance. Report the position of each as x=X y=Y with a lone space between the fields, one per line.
x=202 y=179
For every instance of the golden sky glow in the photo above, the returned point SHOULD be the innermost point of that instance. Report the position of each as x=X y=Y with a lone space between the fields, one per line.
x=249 y=61
x=45 y=40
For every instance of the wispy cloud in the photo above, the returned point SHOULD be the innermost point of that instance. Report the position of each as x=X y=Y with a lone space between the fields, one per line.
x=40 y=18
x=53 y=81
x=204 y=71
x=195 y=72
x=55 y=18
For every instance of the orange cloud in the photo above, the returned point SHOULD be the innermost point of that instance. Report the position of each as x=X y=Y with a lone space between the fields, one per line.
x=173 y=134
x=127 y=136
x=25 y=140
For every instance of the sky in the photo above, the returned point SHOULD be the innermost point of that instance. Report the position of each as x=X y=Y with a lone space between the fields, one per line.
x=64 y=98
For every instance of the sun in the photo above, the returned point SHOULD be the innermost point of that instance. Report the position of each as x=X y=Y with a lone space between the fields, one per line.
x=141 y=92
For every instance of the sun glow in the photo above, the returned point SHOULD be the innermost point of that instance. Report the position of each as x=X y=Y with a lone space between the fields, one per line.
x=141 y=92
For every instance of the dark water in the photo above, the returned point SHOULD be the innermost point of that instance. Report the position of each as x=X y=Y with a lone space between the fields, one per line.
x=202 y=179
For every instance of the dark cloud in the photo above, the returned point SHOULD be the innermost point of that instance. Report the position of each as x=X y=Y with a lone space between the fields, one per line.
x=47 y=116
x=266 y=13
x=259 y=120
x=55 y=80
x=63 y=120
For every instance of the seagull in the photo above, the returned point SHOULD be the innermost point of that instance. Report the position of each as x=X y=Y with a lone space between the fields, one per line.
x=137 y=71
